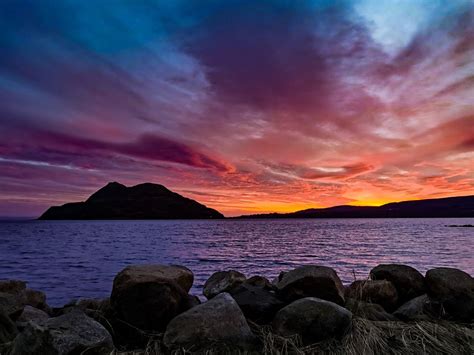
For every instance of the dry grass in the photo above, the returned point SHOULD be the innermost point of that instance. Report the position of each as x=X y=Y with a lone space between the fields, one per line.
x=365 y=338
x=368 y=337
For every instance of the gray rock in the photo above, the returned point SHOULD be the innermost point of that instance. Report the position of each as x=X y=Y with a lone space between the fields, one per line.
x=31 y=314
x=381 y=292
x=72 y=333
x=454 y=289
x=222 y=281
x=258 y=304
x=313 y=319
x=407 y=280
x=414 y=309
x=217 y=323
x=311 y=281
x=370 y=311
x=149 y=296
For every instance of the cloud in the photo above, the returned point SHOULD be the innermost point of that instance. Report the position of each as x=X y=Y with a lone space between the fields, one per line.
x=58 y=148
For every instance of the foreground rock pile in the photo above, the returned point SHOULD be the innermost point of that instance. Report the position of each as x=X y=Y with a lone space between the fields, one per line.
x=152 y=302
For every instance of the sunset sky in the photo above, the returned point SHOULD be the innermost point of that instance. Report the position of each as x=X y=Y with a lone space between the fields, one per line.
x=246 y=106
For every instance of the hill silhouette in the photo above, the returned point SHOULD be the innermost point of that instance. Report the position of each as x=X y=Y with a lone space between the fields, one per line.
x=144 y=201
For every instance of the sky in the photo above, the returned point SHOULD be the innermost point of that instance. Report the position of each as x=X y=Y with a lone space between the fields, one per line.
x=246 y=106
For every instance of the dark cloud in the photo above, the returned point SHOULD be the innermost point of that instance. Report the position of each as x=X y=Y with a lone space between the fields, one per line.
x=59 y=148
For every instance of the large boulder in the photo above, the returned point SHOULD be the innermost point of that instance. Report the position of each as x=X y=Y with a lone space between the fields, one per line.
x=381 y=292
x=218 y=323
x=311 y=281
x=370 y=311
x=258 y=304
x=222 y=281
x=454 y=289
x=149 y=296
x=72 y=333
x=407 y=280
x=313 y=319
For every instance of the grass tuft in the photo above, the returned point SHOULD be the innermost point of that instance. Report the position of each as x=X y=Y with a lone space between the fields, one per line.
x=365 y=338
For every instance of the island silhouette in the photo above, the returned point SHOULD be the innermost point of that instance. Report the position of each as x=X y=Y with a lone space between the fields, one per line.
x=143 y=201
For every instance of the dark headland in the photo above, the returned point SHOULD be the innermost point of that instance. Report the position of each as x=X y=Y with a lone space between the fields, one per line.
x=462 y=206
x=144 y=201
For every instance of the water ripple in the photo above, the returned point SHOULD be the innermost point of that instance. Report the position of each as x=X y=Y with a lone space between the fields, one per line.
x=80 y=258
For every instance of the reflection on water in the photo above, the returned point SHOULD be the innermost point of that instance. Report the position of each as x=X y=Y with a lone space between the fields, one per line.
x=79 y=259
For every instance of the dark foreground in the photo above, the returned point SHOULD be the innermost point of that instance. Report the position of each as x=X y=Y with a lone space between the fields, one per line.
x=304 y=311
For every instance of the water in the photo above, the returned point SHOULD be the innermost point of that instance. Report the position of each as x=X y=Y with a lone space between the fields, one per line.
x=80 y=258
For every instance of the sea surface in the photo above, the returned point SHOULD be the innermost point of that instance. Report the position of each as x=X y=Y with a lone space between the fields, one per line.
x=79 y=259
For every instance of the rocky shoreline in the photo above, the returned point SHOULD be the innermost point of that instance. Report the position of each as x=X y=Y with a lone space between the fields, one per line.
x=305 y=310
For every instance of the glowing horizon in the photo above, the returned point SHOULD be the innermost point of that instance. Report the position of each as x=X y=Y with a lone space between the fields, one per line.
x=246 y=107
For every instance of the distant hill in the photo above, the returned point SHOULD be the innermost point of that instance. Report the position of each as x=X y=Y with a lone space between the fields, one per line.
x=144 y=201
x=462 y=206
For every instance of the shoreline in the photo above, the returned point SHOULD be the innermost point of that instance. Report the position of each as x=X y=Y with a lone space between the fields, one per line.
x=307 y=308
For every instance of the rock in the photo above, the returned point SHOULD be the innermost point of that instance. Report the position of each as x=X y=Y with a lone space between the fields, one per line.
x=134 y=274
x=414 y=309
x=258 y=304
x=313 y=319
x=217 y=323
x=26 y=296
x=36 y=299
x=12 y=297
x=311 y=281
x=222 y=281
x=94 y=304
x=31 y=314
x=90 y=306
x=72 y=333
x=192 y=301
x=8 y=329
x=454 y=289
x=382 y=292
x=407 y=280
x=12 y=286
x=149 y=296
x=370 y=311
x=277 y=279
x=260 y=281
x=11 y=304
